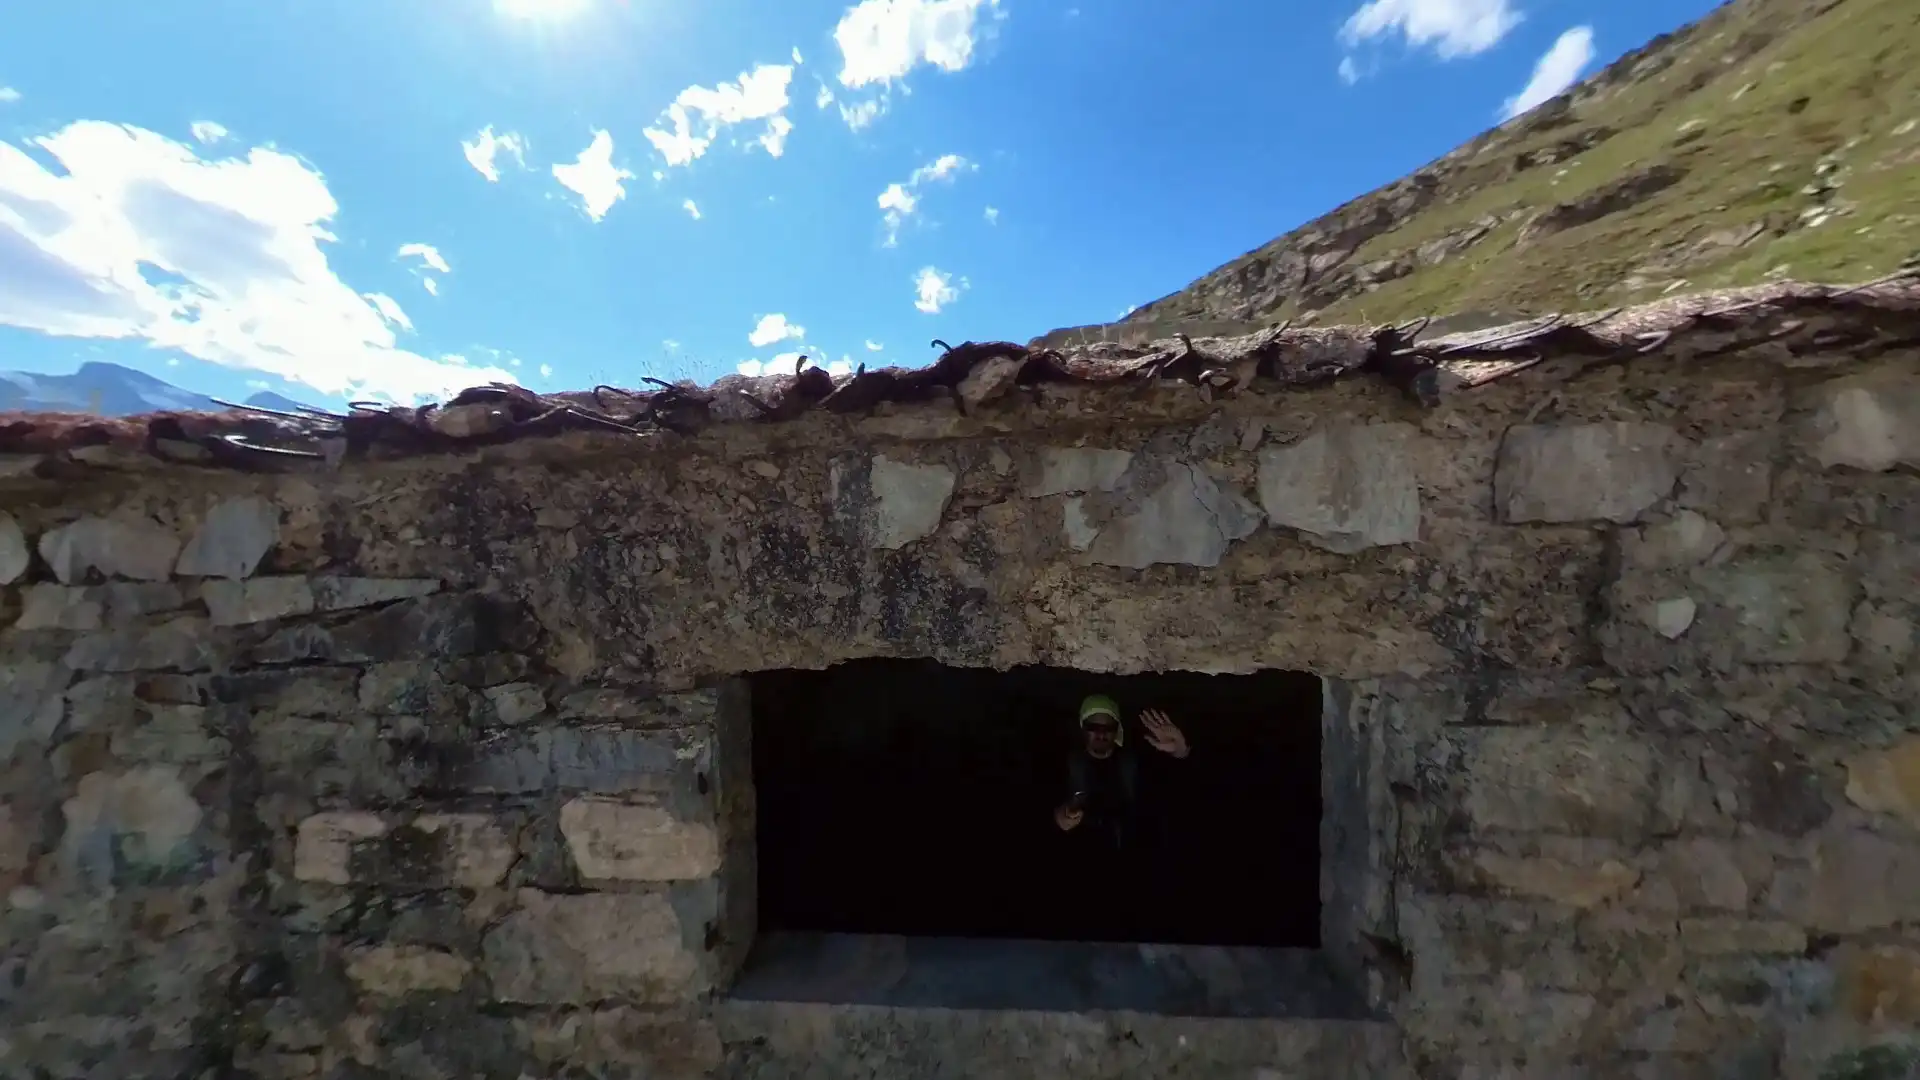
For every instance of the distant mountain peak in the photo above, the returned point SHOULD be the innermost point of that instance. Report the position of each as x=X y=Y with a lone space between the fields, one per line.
x=110 y=389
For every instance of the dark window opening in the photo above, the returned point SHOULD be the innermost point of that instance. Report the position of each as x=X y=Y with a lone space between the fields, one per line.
x=903 y=797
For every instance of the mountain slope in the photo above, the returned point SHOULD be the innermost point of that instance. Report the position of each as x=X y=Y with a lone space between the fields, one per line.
x=1772 y=138
x=111 y=390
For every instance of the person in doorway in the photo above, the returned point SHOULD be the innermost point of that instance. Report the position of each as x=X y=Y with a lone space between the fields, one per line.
x=1104 y=775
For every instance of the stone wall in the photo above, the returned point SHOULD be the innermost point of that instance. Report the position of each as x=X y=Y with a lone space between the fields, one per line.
x=437 y=767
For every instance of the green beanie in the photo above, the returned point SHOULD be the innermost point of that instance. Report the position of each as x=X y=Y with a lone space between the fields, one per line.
x=1101 y=705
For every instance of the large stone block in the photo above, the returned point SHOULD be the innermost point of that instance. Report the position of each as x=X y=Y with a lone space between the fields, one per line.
x=430 y=851
x=514 y=703
x=46 y=606
x=1853 y=881
x=1889 y=565
x=345 y=593
x=1880 y=986
x=398 y=970
x=1784 y=607
x=1074 y=470
x=234 y=602
x=1738 y=937
x=1887 y=781
x=172 y=734
x=323 y=844
x=1584 y=472
x=14 y=553
x=1345 y=488
x=1577 y=883
x=474 y=850
x=426 y=627
x=670 y=1044
x=601 y=761
x=579 y=949
x=1869 y=421
x=230 y=542
x=131 y=826
x=692 y=709
x=1731 y=477
x=617 y=841
x=185 y=643
x=317 y=691
x=890 y=503
x=1530 y=779
x=343 y=760
x=1189 y=518
x=126 y=547
x=1708 y=873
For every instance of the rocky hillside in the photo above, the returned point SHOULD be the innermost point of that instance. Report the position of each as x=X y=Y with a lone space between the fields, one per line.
x=1772 y=138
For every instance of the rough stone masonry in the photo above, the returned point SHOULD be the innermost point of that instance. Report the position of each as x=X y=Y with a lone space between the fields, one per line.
x=436 y=766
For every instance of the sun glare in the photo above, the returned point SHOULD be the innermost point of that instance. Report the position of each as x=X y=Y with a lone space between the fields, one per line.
x=546 y=10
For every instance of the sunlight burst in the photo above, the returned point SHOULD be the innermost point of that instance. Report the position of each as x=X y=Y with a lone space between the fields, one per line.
x=545 y=10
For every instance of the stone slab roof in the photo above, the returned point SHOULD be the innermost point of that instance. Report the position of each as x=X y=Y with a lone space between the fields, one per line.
x=1789 y=318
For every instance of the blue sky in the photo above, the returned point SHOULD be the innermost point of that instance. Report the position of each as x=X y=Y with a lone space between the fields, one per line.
x=351 y=198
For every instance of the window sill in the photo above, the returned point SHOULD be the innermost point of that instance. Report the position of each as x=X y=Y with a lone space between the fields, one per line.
x=1045 y=976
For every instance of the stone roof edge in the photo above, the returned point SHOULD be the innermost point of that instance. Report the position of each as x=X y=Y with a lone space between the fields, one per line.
x=1788 y=315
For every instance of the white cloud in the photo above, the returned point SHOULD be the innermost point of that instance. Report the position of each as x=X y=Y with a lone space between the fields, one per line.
x=860 y=114
x=670 y=345
x=430 y=259
x=692 y=208
x=698 y=113
x=993 y=215
x=874 y=346
x=774 y=139
x=1349 y=73
x=796 y=56
x=857 y=115
x=8 y=95
x=594 y=177
x=935 y=289
x=134 y=237
x=546 y=371
x=941 y=168
x=427 y=254
x=882 y=40
x=390 y=310
x=207 y=131
x=900 y=201
x=1557 y=69
x=1451 y=28
x=486 y=148
x=772 y=328
x=783 y=364
x=896 y=205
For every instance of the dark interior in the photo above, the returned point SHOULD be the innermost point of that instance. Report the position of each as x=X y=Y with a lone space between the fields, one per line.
x=907 y=797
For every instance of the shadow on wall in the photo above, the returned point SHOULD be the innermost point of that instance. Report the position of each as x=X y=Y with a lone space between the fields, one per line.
x=906 y=797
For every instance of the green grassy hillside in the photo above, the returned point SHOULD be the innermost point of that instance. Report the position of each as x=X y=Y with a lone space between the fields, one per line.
x=1773 y=138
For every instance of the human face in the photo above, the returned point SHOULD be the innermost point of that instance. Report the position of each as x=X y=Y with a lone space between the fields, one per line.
x=1101 y=732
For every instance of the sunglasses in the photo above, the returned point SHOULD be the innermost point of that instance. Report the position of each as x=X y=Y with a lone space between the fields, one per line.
x=1103 y=727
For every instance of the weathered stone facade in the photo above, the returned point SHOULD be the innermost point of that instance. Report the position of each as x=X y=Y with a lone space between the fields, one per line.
x=438 y=768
